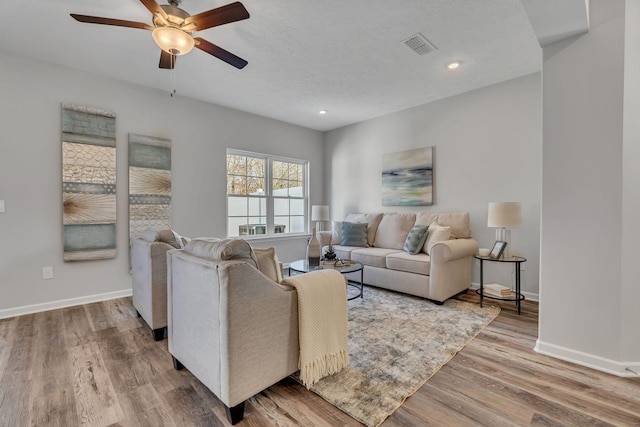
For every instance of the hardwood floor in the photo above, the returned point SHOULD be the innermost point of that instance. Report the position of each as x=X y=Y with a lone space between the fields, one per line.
x=97 y=365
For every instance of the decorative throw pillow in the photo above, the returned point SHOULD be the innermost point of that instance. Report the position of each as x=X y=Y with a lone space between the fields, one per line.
x=354 y=234
x=223 y=250
x=415 y=239
x=268 y=263
x=437 y=233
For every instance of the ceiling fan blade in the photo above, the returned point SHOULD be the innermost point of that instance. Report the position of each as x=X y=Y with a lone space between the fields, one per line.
x=154 y=8
x=167 y=61
x=110 y=21
x=219 y=16
x=220 y=53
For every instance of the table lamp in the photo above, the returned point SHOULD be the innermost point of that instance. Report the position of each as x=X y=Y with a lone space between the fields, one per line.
x=319 y=213
x=504 y=216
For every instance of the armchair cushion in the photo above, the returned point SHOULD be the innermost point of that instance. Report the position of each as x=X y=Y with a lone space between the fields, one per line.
x=268 y=263
x=165 y=236
x=223 y=250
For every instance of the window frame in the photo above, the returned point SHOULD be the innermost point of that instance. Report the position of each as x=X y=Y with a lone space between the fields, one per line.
x=269 y=196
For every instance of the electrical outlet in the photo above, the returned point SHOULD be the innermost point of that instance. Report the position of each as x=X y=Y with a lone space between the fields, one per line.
x=1 y=206
x=47 y=272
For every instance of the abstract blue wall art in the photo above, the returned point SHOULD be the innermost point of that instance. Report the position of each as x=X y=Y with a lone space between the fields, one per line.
x=407 y=178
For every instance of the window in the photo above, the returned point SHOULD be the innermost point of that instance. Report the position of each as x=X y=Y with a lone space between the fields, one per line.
x=265 y=195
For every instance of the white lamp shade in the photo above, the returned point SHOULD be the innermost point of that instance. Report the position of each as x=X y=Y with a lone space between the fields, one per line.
x=504 y=214
x=319 y=213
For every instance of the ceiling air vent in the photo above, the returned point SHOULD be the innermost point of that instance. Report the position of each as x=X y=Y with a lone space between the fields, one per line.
x=420 y=44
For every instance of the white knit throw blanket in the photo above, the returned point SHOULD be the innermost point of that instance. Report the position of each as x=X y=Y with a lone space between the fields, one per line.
x=322 y=324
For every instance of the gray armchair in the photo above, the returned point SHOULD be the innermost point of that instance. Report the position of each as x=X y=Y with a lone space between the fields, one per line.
x=149 y=276
x=234 y=328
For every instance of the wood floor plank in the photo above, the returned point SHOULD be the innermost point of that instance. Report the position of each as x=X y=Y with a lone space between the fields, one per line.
x=95 y=397
x=143 y=407
x=51 y=373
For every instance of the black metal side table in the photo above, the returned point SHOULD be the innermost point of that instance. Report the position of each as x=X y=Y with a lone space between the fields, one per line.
x=517 y=261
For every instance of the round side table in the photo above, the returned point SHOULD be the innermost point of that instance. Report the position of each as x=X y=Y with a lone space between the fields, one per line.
x=517 y=261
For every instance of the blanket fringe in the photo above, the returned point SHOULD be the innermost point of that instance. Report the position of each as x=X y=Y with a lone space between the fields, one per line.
x=327 y=364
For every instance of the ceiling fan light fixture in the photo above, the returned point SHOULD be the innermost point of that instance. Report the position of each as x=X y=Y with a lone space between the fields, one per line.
x=173 y=40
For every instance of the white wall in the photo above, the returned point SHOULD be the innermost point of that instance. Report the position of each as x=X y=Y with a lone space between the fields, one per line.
x=630 y=292
x=487 y=148
x=30 y=173
x=589 y=273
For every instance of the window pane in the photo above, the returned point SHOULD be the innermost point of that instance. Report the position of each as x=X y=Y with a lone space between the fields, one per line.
x=257 y=206
x=296 y=189
x=256 y=186
x=234 y=226
x=295 y=172
x=236 y=184
x=281 y=224
x=281 y=207
x=280 y=187
x=237 y=206
x=297 y=207
x=236 y=165
x=297 y=224
x=255 y=167
x=280 y=170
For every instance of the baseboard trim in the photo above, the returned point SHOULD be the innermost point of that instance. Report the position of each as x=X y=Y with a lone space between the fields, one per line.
x=530 y=296
x=620 y=369
x=53 y=305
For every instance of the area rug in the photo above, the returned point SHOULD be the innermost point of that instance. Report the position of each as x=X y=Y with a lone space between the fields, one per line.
x=396 y=343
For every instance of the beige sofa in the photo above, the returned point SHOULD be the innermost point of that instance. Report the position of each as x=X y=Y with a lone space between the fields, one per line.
x=439 y=271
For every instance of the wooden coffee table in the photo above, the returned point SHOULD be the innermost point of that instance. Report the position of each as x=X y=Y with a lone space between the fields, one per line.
x=302 y=266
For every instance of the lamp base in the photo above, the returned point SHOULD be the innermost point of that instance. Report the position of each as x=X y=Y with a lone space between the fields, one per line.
x=320 y=226
x=504 y=235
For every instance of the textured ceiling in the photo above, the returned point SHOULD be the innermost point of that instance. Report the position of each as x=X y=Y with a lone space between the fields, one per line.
x=346 y=57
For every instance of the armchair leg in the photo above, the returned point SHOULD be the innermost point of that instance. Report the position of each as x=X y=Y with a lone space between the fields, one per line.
x=158 y=334
x=176 y=364
x=235 y=414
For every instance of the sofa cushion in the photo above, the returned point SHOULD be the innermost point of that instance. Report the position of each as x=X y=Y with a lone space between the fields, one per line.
x=458 y=221
x=375 y=257
x=419 y=263
x=415 y=239
x=393 y=230
x=268 y=263
x=372 y=221
x=436 y=233
x=344 y=252
x=354 y=234
x=223 y=250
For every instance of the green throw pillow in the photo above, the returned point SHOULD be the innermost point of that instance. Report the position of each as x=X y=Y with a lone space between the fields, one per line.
x=415 y=239
x=354 y=234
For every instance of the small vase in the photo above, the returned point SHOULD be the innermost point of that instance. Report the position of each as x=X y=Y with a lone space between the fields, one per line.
x=313 y=250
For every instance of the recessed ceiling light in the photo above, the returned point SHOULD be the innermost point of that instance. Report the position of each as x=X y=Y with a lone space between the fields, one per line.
x=322 y=112
x=454 y=65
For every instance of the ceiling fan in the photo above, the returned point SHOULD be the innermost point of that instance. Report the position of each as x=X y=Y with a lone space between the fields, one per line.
x=173 y=29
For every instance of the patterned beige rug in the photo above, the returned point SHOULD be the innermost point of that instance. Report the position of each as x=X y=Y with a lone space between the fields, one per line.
x=396 y=343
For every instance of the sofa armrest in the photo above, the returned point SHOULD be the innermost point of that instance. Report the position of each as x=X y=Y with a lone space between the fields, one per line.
x=324 y=237
x=453 y=249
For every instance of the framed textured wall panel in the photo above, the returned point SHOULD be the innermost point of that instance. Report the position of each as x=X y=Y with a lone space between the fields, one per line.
x=88 y=183
x=149 y=184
